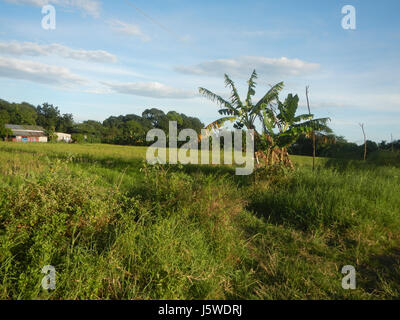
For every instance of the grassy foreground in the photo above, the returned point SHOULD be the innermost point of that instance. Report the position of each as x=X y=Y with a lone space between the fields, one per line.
x=115 y=228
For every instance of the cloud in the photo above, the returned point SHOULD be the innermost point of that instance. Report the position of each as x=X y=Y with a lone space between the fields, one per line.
x=128 y=29
x=38 y=72
x=34 y=49
x=150 y=89
x=91 y=7
x=357 y=101
x=243 y=66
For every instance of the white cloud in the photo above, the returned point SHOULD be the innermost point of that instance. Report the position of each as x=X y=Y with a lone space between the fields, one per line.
x=34 y=49
x=150 y=89
x=357 y=101
x=243 y=66
x=38 y=72
x=91 y=7
x=128 y=29
x=106 y=70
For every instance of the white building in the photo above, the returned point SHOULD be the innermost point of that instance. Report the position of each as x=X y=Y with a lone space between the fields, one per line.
x=63 y=137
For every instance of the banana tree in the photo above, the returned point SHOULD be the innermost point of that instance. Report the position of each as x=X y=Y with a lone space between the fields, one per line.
x=289 y=128
x=245 y=113
x=280 y=127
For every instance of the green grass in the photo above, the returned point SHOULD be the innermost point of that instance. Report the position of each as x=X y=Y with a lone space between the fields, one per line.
x=116 y=228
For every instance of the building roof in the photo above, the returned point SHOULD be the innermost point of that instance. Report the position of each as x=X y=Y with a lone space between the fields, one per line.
x=28 y=133
x=25 y=130
x=62 y=134
x=23 y=127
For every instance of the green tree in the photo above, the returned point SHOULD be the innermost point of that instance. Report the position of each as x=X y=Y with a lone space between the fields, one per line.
x=156 y=117
x=192 y=123
x=290 y=127
x=48 y=116
x=175 y=116
x=93 y=131
x=51 y=134
x=133 y=132
x=65 y=123
x=4 y=119
x=245 y=113
x=279 y=127
x=23 y=113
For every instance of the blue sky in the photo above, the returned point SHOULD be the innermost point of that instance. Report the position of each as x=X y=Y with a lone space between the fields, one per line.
x=118 y=57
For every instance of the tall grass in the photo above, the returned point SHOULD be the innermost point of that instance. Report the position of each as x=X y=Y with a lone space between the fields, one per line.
x=116 y=228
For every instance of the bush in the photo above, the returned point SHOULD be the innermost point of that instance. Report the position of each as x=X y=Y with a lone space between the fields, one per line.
x=45 y=219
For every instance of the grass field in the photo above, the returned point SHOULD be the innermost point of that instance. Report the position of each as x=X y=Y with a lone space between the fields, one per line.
x=116 y=228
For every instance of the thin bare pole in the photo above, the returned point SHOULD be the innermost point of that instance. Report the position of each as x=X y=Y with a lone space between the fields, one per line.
x=365 y=140
x=391 y=141
x=313 y=132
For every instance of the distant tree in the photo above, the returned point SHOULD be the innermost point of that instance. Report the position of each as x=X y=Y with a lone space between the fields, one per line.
x=112 y=122
x=157 y=118
x=341 y=149
x=392 y=146
x=4 y=119
x=371 y=146
x=65 y=123
x=92 y=130
x=192 y=123
x=134 y=132
x=303 y=146
x=78 y=137
x=175 y=116
x=19 y=113
x=23 y=113
x=51 y=134
x=48 y=116
x=384 y=145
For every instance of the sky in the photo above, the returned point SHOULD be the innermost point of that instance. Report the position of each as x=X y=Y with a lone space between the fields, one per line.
x=123 y=56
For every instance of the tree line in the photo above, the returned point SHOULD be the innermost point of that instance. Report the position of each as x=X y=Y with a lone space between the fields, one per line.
x=338 y=147
x=130 y=129
x=45 y=115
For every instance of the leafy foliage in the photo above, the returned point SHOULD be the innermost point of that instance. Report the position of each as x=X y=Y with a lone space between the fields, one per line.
x=244 y=114
x=290 y=126
x=130 y=129
x=280 y=125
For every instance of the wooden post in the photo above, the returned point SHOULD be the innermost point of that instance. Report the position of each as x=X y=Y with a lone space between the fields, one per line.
x=313 y=132
x=391 y=141
x=365 y=141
